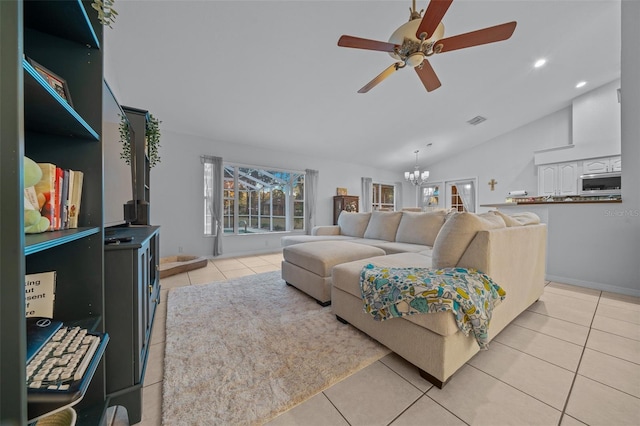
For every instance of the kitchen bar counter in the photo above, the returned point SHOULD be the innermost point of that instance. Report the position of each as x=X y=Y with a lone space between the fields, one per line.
x=524 y=203
x=519 y=201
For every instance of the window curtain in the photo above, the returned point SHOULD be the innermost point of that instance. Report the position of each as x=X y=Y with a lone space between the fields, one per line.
x=367 y=191
x=397 y=196
x=311 y=194
x=213 y=196
x=466 y=191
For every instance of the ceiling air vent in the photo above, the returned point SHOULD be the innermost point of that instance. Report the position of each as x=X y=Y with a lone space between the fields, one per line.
x=476 y=120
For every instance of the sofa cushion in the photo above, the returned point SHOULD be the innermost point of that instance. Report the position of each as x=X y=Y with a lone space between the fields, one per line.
x=298 y=239
x=391 y=247
x=353 y=224
x=420 y=228
x=518 y=219
x=346 y=277
x=322 y=256
x=456 y=234
x=383 y=225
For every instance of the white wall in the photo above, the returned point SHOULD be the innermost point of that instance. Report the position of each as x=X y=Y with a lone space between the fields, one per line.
x=594 y=245
x=507 y=158
x=177 y=190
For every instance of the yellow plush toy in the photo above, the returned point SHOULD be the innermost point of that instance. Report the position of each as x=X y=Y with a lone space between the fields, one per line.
x=33 y=222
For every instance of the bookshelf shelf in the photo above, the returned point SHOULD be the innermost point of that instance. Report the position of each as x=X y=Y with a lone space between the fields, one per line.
x=68 y=20
x=46 y=110
x=35 y=243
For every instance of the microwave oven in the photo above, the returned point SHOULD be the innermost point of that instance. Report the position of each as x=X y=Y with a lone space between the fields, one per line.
x=600 y=184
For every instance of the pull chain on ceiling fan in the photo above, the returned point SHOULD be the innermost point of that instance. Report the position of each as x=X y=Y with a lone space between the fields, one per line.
x=413 y=42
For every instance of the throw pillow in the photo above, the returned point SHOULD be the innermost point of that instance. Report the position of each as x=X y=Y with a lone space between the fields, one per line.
x=420 y=228
x=456 y=235
x=353 y=224
x=383 y=225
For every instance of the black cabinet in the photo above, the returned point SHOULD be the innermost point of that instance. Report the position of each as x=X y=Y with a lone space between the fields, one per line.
x=132 y=292
x=138 y=120
x=344 y=202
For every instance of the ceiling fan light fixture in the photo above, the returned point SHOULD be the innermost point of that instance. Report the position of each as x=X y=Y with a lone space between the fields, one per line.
x=415 y=59
x=420 y=38
x=408 y=31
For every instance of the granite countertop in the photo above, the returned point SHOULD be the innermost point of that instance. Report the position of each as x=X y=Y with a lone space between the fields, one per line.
x=517 y=201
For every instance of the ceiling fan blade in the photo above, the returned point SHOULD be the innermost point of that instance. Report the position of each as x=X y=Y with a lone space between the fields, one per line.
x=428 y=76
x=476 y=38
x=363 y=43
x=432 y=17
x=384 y=74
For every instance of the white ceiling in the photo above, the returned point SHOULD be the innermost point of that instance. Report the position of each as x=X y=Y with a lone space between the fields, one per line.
x=269 y=73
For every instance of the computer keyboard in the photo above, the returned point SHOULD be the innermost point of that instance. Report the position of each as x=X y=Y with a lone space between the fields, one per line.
x=61 y=361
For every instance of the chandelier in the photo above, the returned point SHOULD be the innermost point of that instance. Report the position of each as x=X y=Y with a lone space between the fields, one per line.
x=416 y=178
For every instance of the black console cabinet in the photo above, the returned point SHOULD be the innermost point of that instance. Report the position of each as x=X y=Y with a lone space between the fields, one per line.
x=132 y=292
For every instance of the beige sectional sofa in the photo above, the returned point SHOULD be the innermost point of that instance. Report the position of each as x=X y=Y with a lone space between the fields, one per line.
x=509 y=249
x=393 y=232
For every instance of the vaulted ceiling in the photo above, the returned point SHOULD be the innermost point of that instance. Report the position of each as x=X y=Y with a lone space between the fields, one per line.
x=269 y=73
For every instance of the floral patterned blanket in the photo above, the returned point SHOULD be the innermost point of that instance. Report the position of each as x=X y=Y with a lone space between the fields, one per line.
x=468 y=293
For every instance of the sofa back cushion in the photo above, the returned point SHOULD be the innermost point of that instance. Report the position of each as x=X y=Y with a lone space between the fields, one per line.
x=353 y=224
x=519 y=218
x=457 y=233
x=420 y=228
x=383 y=225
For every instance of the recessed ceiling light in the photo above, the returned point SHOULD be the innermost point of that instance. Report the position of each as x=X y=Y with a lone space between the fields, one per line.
x=581 y=84
x=539 y=63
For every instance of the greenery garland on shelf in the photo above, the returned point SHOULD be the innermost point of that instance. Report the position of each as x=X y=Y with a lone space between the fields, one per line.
x=152 y=140
x=106 y=13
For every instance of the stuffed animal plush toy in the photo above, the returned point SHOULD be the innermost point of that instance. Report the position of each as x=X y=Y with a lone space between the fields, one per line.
x=33 y=222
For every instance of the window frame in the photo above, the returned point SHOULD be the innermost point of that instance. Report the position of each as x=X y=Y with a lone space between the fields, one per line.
x=376 y=199
x=238 y=200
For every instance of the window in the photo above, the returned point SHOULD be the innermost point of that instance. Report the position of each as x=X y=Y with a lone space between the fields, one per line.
x=259 y=201
x=383 y=197
x=431 y=197
x=461 y=195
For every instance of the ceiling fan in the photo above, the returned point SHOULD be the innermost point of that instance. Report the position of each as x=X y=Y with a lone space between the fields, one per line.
x=413 y=42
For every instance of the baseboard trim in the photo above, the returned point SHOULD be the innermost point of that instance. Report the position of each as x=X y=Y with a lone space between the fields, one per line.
x=594 y=285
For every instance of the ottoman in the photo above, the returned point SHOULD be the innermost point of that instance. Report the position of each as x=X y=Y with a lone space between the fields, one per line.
x=307 y=266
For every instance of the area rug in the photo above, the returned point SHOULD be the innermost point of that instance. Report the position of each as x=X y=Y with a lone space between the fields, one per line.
x=240 y=352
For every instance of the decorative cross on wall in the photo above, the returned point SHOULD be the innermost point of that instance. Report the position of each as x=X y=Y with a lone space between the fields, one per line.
x=492 y=184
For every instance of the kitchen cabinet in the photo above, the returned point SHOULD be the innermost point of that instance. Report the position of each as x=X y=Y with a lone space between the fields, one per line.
x=602 y=165
x=558 y=179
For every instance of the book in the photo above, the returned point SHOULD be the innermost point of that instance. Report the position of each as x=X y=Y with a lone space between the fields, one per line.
x=40 y=291
x=76 y=198
x=46 y=190
x=69 y=195
x=58 y=187
x=64 y=208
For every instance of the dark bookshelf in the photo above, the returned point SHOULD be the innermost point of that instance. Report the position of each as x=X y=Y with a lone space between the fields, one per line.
x=63 y=36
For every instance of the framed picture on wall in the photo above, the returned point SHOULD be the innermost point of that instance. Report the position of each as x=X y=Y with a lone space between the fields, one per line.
x=341 y=191
x=56 y=82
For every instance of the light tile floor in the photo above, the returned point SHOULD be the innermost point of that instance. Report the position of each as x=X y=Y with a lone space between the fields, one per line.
x=572 y=358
